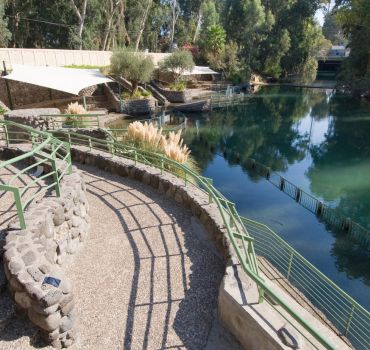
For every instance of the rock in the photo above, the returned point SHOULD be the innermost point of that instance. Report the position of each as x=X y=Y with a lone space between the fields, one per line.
x=22 y=247
x=29 y=258
x=48 y=323
x=52 y=297
x=15 y=285
x=44 y=311
x=44 y=268
x=65 y=310
x=34 y=291
x=15 y=266
x=76 y=221
x=35 y=273
x=75 y=232
x=58 y=218
x=72 y=246
x=47 y=227
x=67 y=323
x=23 y=300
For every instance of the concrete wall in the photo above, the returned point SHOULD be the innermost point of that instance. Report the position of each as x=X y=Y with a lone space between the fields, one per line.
x=59 y=58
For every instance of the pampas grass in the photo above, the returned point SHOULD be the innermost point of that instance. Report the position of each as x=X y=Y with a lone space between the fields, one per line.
x=148 y=137
x=75 y=108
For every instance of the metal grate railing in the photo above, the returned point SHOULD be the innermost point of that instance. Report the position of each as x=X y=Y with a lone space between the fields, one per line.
x=348 y=317
x=45 y=150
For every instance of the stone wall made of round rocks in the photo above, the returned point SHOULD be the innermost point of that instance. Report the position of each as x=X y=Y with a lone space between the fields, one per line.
x=56 y=227
x=37 y=118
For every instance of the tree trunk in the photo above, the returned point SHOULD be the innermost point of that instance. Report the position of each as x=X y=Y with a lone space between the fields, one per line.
x=135 y=86
x=81 y=15
x=175 y=15
x=142 y=25
x=199 y=23
x=109 y=24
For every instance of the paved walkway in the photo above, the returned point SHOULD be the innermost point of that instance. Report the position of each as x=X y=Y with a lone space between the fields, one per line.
x=143 y=279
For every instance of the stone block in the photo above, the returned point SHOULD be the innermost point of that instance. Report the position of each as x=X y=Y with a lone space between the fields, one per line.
x=22 y=299
x=29 y=257
x=47 y=323
x=35 y=273
x=58 y=218
x=52 y=297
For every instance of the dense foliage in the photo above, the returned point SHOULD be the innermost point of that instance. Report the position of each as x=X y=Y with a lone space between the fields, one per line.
x=277 y=39
x=354 y=16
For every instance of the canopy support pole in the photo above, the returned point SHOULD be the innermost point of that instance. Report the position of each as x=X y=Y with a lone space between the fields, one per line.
x=8 y=88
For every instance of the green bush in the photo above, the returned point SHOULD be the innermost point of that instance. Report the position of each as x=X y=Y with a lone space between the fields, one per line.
x=134 y=66
x=137 y=95
x=178 y=63
x=178 y=86
x=2 y=110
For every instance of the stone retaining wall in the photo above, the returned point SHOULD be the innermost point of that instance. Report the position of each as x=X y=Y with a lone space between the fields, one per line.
x=56 y=227
x=34 y=118
x=175 y=96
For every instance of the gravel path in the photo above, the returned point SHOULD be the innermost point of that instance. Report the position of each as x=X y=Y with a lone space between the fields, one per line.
x=142 y=280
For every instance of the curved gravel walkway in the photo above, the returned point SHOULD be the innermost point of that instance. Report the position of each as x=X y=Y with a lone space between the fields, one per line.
x=143 y=280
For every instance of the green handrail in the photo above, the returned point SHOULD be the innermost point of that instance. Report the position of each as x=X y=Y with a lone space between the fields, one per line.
x=346 y=314
x=232 y=221
x=87 y=120
x=45 y=149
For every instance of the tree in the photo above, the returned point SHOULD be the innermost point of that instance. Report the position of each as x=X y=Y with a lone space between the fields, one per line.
x=133 y=66
x=80 y=12
x=332 y=29
x=4 y=31
x=215 y=38
x=354 y=16
x=178 y=63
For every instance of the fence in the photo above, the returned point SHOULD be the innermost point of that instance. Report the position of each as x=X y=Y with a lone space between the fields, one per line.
x=74 y=120
x=46 y=150
x=238 y=235
x=332 y=217
x=348 y=317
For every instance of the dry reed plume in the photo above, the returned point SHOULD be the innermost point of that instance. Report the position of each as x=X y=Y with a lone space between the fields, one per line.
x=75 y=108
x=151 y=138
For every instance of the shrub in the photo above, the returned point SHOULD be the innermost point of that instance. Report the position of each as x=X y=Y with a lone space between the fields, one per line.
x=134 y=66
x=2 y=110
x=137 y=95
x=178 y=86
x=178 y=63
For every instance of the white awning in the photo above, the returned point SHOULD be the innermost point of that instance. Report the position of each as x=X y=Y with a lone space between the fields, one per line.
x=200 y=70
x=69 y=80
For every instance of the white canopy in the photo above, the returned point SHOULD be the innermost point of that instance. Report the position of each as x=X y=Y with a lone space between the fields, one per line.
x=69 y=80
x=200 y=70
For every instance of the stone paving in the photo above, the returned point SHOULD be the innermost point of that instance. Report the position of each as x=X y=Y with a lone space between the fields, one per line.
x=142 y=280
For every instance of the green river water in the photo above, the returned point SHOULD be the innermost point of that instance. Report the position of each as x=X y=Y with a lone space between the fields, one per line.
x=317 y=139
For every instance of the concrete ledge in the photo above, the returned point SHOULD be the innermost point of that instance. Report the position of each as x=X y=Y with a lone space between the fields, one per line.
x=256 y=326
x=56 y=227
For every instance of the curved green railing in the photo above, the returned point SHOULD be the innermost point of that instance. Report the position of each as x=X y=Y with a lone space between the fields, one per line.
x=245 y=236
x=347 y=316
x=45 y=150
x=238 y=234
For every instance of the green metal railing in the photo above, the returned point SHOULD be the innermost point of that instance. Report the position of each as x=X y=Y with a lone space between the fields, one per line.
x=237 y=232
x=347 y=316
x=87 y=120
x=45 y=150
x=333 y=217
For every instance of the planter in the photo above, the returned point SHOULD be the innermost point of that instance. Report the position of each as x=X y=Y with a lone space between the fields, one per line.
x=175 y=96
x=139 y=106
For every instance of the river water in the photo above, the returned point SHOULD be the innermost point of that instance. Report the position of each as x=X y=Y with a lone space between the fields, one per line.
x=317 y=139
